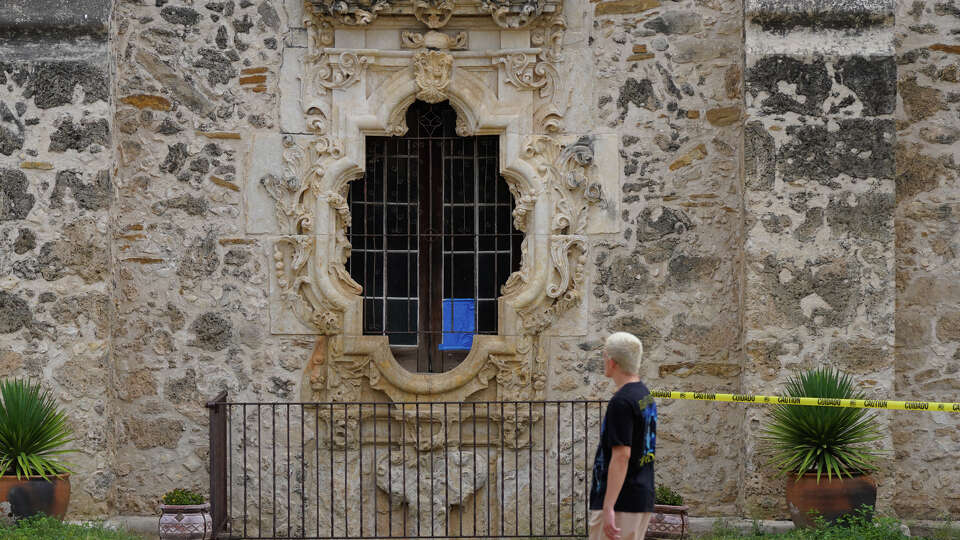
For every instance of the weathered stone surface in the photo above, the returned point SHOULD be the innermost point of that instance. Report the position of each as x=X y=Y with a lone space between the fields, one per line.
x=948 y=327
x=96 y=195
x=213 y=332
x=870 y=218
x=920 y=102
x=791 y=85
x=14 y=313
x=26 y=241
x=52 y=84
x=79 y=136
x=873 y=79
x=16 y=202
x=153 y=432
x=916 y=172
x=782 y=17
x=759 y=157
x=860 y=148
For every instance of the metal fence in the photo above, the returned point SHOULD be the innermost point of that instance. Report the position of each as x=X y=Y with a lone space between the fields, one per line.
x=402 y=470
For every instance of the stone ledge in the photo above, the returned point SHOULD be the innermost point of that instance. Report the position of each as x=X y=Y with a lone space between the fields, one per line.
x=55 y=19
x=785 y=15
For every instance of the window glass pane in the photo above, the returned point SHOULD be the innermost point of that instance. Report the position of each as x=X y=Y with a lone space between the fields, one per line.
x=487 y=316
x=487 y=277
x=448 y=272
x=398 y=274
x=463 y=271
x=397 y=316
x=373 y=315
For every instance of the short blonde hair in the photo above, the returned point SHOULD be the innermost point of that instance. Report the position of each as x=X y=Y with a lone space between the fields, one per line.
x=626 y=350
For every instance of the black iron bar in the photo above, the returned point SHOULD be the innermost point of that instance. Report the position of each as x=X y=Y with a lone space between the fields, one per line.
x=360 y=455
x=374 y=475
x=330 y=452
x=244 y=472
x=288 y=472
x=530 y=465
x=355 y=443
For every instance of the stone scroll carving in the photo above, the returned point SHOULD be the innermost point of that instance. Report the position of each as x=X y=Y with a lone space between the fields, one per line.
x=571 y=191
x=508 y=14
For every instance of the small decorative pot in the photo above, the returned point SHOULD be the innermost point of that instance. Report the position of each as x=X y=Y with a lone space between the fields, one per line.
x=185 y=522
x=668 y=522
x=29 y=495
x=831 y=498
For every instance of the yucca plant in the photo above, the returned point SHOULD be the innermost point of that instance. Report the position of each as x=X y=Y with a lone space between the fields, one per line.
x=822 y=440
x=33 y=431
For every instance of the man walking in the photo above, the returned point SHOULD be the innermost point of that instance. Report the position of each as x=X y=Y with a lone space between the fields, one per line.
x=622 y=493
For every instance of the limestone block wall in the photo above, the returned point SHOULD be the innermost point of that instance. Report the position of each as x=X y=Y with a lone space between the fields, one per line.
x=668 y=79
x=927 y=249
x=196 y=84
x=819 y=206
x=56 y=201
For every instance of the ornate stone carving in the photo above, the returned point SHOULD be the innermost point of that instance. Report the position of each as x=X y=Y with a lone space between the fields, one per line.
x=454 y=473
x=432 y=70
x=433 y=13
x=513 y=14
x=509 y=14
x=433 y=40
x=349 y=13
x=335 y=71
x=570 y=191
x=540 y=73
x=296 y=195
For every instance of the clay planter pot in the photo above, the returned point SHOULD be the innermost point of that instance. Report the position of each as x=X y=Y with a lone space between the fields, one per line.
x=31 y=495
x=185 y=522
x=831 y=498
x=668 y=522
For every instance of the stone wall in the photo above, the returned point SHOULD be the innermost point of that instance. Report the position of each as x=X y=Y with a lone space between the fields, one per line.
x=56 y=202
x=818 y=205
x=927 y=254
x=787 y=192
x=669 y=81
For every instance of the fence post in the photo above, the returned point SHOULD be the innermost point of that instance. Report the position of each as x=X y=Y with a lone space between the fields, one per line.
x=218 y=462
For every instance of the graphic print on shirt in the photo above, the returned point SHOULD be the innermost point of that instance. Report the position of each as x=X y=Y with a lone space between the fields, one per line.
x=650 y=433
x=599 y=484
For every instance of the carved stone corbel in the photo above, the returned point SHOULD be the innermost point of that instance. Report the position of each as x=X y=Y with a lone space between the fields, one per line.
x=432 y=71
x=433 y=13
x=349 y=12
x=433 y=40
x=513 y=15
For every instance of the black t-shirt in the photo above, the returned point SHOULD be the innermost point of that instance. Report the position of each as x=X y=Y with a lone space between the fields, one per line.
x=631 y=420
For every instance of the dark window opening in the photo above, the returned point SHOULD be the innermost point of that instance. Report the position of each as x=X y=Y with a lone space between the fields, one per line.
x=433 y=239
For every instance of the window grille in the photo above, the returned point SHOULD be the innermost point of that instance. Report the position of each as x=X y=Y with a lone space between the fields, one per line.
x=433 y=239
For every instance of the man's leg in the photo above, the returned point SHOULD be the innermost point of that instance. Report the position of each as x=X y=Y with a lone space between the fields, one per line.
x=595 y=526
x=633 y=525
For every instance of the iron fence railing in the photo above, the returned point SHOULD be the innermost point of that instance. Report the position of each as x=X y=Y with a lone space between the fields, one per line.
x=401 y=470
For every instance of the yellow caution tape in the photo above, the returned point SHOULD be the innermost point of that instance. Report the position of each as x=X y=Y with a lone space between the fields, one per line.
x=811 y=401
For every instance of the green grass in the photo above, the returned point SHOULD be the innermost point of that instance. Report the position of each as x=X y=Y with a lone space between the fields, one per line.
x=855 y=527
x=48 y=528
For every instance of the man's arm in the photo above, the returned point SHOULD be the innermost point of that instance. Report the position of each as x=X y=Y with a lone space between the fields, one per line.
x=619 y=460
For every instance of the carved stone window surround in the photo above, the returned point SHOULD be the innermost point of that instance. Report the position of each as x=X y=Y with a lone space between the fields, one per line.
x=566 y=188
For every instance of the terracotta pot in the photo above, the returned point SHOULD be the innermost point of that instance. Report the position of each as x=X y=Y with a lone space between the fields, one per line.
x=668 y=522
x=185 y=522
x=831 y=498
x=31 y=495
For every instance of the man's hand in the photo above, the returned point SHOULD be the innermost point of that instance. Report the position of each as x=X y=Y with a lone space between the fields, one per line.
x=610 y=525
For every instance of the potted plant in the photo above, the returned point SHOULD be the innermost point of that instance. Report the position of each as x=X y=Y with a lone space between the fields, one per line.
x=185 y=516
x=825 y=452
x=33 y=433
x=669 y=515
